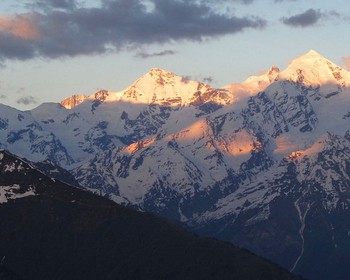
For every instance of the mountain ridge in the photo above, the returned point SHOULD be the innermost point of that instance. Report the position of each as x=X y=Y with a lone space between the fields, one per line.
x=167 y=88
x=225 y=166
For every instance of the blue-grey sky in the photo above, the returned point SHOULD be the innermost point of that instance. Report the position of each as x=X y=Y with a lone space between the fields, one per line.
x=51 y=49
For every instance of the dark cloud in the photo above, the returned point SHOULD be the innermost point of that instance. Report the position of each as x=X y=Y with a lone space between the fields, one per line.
x=245 y=2
x=338 y=16
x=186 y=79
x=280 y=1
x=27 y=100
x=206 y=80
x=52 y=4
x=145 y=55
x=308 y=18
x=115 y=25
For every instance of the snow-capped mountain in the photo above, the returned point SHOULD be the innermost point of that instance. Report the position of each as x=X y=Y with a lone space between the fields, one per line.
x=230 y=173
x=262 y=164
x=315 y=70
x=157 y=87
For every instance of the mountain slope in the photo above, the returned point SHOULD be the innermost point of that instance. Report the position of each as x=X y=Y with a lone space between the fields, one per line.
x=159 y=102
x=6 y=274
x=60 y=232
x=21 y=133
x=287 y=214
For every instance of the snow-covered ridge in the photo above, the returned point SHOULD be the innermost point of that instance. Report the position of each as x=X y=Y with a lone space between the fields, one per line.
x=310 y=69
x=165 y=88
x=160 y=87
x=253 y=84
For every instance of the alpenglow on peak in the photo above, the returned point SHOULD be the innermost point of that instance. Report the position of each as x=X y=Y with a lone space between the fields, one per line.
x=313 y=53
x=313 y=69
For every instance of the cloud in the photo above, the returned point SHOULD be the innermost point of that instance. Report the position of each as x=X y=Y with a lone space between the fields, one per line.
x=113 y=26
x=27 y=100
x=52 y=4
x=280 y=1
x=186 y=79
x=145 y=55
x=338 y=16
x=2 y=96
x=305 y=19
x=21 y=27
x=245 y=2
x=208 y=80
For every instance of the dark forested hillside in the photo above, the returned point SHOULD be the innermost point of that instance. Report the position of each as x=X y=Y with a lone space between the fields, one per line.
x=49 y=230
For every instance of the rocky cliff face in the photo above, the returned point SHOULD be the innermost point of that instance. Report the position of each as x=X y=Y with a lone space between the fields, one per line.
x=73 y=101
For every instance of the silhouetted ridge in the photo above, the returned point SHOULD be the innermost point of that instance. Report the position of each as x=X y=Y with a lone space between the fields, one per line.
x=60 y=232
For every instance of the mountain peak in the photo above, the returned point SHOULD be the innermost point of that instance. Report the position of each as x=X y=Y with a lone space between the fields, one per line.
x=311 y=57
x=156 y=70
x=159 y=86
x=157 y=73
x=156 y=76
x=272 y=70
x=313 y=69
x=313 y=53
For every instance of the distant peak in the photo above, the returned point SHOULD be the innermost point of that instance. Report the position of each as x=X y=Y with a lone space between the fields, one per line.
x=313 y=69
x=311 y=59
x=310 y=56
x=159 y=72
x=101 y=95
x=155 y=70
x=273 y=70
x=313 y=53
x=73 y=101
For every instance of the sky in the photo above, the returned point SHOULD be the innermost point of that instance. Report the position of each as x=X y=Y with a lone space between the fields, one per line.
x=52 y=49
